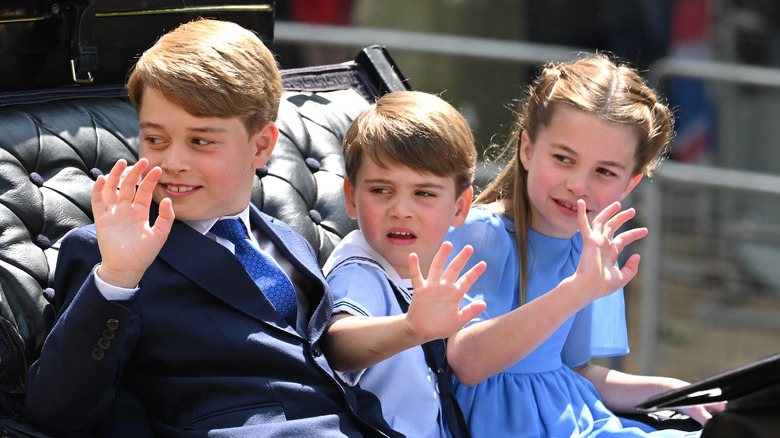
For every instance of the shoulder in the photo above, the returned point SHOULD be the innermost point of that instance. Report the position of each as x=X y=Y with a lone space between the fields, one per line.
x=483 y=229
x=361 y=287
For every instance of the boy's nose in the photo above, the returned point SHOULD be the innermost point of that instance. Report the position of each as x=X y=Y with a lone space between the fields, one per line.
x=400 y=207
x=175 y=159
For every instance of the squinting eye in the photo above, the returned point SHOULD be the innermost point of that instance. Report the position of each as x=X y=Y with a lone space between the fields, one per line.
x=562 y=158
x=606 y=172
x=426 y=194
x=201 y=142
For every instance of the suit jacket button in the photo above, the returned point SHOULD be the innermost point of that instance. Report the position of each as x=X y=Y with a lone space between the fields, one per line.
x=98 y=354
x=112 y=324
x=108 y=334
x=316 y=350
x=104 y=343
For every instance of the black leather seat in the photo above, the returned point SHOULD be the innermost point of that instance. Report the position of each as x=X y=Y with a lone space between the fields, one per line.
x=54 y=144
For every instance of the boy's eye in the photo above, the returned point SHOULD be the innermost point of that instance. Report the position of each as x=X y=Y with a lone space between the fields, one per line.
x=201 y=141
x=380 y=190
x=153 y=140
x=605 y=172
x=424 y=193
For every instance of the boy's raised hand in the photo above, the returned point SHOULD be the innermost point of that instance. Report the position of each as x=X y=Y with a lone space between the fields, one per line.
x=128 y=244
x=601 y=248
x=434 y=312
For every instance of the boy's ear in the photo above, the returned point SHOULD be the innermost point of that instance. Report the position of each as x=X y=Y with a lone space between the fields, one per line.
x=264 y=142
x=350 y=199
x=631 y=184
x=462 y=204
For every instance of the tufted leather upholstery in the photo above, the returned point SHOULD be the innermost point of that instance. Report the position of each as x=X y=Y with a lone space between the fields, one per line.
x=53 y=145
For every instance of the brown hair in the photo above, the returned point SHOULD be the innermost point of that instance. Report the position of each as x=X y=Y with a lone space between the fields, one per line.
x=595 y=84
x=416 y=129
x=212 y=68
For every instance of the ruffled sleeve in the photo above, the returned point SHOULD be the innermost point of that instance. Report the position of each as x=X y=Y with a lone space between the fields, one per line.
x=599 y=329
x=493 y=240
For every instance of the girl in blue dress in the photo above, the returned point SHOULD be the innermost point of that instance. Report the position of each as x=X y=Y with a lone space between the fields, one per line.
x=589 y=131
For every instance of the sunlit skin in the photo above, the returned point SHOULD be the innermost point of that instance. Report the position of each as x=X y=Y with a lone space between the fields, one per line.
x=578 y=156
x=404 y=215
x=400 y=211
x=207 y=163
x=194 y=168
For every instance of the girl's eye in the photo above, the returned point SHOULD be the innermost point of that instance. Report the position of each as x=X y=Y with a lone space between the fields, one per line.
x=605 y=172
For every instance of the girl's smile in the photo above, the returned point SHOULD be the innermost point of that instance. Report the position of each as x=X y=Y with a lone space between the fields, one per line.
x=577 y=156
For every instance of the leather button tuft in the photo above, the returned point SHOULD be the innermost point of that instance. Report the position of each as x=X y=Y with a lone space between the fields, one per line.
x=262 y=172
x=315 y=216
x=36 y=179
x=48 y=293
x=313 y=164
x=112 y=324
x=95 y=173
x=98 y=354
x=42 y=241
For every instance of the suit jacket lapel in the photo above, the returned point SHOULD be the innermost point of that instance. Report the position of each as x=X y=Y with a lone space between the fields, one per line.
x=319 y=300
x=215 y=269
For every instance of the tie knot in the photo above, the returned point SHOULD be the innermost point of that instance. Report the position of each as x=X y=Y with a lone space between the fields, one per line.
x=230 y=229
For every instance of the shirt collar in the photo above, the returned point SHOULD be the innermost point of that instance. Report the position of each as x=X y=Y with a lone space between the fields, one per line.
x=203 y=226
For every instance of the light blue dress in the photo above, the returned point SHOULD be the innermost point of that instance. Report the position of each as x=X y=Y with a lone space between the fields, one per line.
x=541 y=396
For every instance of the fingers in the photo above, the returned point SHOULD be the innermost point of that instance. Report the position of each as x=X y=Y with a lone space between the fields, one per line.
x=628 y=237
x=629 y=269
x=143 y=194
x=469 y=278
x=105 y=189
x=436 y=271
x=165 y=218
x=127 y=185
x=470 y=311
x=458 y=263
x=414 y=271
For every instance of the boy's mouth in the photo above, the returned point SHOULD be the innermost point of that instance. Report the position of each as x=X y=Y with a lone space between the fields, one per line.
x=178 y=189
x=400 y=235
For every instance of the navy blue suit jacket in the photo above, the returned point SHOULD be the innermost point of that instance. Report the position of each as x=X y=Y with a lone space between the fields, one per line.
x=199 y=345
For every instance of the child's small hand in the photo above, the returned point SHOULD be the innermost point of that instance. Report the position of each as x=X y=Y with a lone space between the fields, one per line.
x=434 y=312
x=601 y=249
x=128 y=245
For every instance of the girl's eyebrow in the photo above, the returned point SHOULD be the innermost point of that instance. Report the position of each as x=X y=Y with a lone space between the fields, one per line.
x=606 y=163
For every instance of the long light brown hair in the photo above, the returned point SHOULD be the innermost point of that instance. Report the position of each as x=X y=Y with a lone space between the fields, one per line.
x=596 y=84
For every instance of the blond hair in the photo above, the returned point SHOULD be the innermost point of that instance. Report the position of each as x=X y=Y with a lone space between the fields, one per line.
x=415 y=129
x=212 y=68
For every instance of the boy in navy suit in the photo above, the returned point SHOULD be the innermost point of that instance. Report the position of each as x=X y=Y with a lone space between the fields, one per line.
x=153 y=301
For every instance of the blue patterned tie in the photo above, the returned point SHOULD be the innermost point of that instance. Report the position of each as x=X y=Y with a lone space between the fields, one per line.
x=261 y=267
